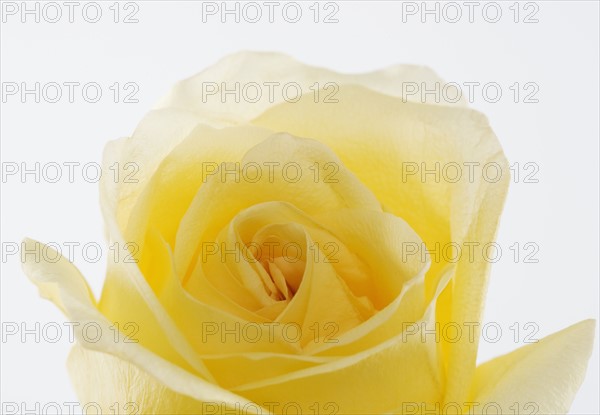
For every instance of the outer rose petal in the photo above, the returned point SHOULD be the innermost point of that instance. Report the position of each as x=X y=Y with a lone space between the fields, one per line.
x=154 y=137
x=117 y=386
x=125 y=284
x=183 y=109
x=194 y=94
x=181 y=173
x=545 y=374
x=61 y=282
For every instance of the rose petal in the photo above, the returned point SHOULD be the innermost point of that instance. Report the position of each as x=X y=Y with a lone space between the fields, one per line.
x=129 y=163
x=181 y=173
x=407 y=369
x=543 y=376
x=275 y=73
x=103 y=381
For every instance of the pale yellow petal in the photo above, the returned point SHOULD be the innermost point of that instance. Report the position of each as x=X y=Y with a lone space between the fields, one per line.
x=277 y=78
x=103 y=381
x=376 y=380
x=237 y=369
x=177 y=178
x=129 y=163
x=539 y=378
x=127 y=295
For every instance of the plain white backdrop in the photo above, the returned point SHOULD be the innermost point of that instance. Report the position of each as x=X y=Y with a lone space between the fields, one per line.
x=170 y=41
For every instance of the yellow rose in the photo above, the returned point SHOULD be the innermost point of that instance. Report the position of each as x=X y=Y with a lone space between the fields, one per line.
x=273 y=226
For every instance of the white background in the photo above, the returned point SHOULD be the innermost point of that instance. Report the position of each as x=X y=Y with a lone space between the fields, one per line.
x=170 y=42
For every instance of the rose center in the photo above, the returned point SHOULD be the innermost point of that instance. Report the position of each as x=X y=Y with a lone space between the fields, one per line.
x=282 y=258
